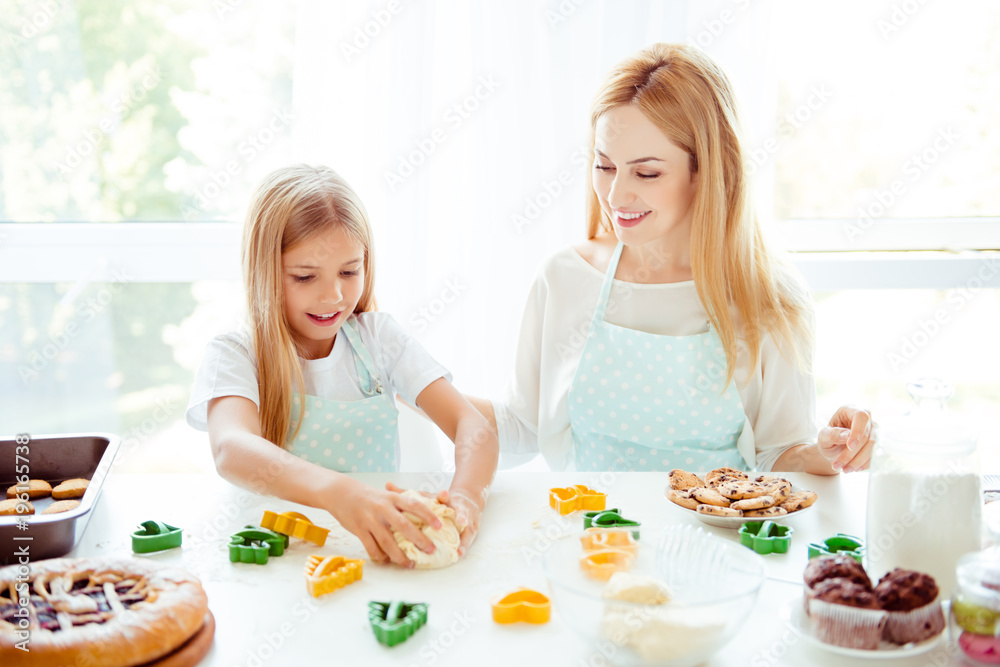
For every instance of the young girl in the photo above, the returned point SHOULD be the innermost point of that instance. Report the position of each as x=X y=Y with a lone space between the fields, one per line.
x=698 y=347
x=308 y=394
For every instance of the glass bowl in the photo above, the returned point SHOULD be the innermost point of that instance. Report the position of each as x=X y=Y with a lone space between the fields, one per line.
x=714 y=585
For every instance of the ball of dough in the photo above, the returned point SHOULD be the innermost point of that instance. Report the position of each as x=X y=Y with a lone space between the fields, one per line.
x=446 y=539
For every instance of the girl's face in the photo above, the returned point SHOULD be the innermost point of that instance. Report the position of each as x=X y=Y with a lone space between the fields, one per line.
x=642 y=179
x=322 y=281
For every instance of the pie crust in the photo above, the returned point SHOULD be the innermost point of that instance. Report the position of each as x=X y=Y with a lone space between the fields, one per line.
x=97 y=612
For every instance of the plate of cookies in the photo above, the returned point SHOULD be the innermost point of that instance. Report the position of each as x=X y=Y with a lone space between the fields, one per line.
x=728 y=498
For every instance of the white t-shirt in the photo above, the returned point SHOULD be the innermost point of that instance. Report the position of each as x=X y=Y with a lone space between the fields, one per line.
x=778 y=398
x=229 y=368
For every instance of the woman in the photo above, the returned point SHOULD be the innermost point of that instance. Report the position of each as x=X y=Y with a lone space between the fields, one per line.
x=672 y=337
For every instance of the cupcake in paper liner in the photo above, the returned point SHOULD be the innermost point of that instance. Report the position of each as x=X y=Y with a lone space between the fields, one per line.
x=844 y=613
x=911 y=602
x=833 y=567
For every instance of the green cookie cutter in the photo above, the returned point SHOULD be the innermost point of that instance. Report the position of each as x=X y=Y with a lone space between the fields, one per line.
x=609 y=519
x=766 y=537
x=395 y=622
x=840 y=543
x=254 y=545
x=155 y=536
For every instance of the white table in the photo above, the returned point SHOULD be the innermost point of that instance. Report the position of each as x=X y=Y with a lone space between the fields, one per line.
x=265 y=616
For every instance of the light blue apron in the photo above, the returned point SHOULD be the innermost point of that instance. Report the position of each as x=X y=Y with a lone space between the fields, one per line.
x=349 y=436
x=641 y=401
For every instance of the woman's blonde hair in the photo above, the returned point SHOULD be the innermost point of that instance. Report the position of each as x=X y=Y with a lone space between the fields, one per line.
x=292 y=205
x=688 y=97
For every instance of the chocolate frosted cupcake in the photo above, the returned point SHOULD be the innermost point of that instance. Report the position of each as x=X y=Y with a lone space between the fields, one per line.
x=822 y=569
x=846 y=613
x=911 y=600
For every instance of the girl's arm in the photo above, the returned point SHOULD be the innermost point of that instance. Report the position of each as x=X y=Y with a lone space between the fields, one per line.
x=244 y=458
x=476 y=452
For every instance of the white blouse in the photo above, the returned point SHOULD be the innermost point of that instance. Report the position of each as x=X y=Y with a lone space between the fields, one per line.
x=779 y=399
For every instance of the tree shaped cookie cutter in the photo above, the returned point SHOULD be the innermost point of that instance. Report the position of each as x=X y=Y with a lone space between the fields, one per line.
x=295 y=525
x=395 y=622
x=766 y=537
x=254 y=545
x=155 y=536
x=567 y=500
x=838 y=544
x=325 y=574
x=522 y=606
x=610 y=519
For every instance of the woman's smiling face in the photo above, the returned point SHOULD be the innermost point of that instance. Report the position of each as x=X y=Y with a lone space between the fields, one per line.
x=642 y=179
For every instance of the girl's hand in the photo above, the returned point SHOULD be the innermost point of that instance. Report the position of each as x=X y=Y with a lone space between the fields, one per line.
x=848 y=440
x=372 y=514
x=467 y=515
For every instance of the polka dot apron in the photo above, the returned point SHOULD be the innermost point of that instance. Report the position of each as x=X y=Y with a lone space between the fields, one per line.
x=349 y=436
x=642 y=401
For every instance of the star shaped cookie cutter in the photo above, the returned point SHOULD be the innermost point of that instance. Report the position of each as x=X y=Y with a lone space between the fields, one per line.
x=566 y=500
x=610 y=519
x=838 y=544
x=155 y=536
x=295 y=525
x=254 y=545
x=522 y=606
x=766 y=537
x=395 y=622
x=325 y=574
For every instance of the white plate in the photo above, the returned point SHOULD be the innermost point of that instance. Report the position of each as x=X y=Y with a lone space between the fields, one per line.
x=793 y=612
x=735 y=522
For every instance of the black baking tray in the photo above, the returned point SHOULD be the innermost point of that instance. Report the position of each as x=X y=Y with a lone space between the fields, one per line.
x=54 y=458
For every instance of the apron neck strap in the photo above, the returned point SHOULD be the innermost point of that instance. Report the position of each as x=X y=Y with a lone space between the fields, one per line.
x=609 y=279
x=362 y=358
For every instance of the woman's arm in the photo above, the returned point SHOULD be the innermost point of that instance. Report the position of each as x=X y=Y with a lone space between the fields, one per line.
x=245 y=458
x=476 y=451
x=845 y=444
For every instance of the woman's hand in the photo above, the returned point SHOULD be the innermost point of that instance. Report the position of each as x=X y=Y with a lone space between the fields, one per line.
x=848 y=440
x=468 y=512
x=371 y=515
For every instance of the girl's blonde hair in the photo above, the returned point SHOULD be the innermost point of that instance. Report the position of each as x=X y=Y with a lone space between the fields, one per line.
x=688 y=97
x=292 y=205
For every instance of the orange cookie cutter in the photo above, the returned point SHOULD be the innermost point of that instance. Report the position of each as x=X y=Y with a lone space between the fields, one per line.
x=522 y=606
x=325 y=574
x=601 y=539
x=566 y=500
x=295 y=525
x=602 y=564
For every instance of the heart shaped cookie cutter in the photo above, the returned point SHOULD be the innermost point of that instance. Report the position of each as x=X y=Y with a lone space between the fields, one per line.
x=155 y=536
x=602 y=564
x=610 y=519
x=522 y=606
x=325 y=574
x=599 y=539
x=838 y=544
x=766 y=537
x=395 y=622
x=254 y=545
x=569 y=499
x=295 y=525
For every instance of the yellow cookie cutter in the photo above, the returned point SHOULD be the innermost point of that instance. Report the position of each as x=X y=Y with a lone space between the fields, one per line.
x=295 y=525
x=523 y=605
x=566 y=500
x=600 y=539
x=602 y=564
x=325 y=574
